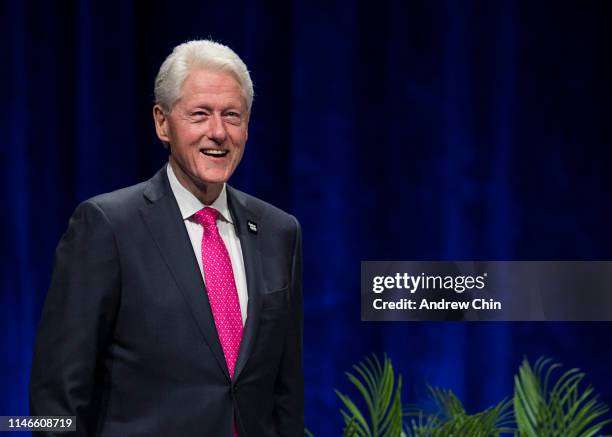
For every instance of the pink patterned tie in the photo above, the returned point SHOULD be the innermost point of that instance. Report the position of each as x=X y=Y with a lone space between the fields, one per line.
x=222 y=292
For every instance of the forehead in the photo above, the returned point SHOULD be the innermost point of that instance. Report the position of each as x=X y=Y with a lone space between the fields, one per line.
x=217 y=85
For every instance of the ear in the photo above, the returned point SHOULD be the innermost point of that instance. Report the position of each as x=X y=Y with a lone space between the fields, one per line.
x=161 y=124
x=247 y=125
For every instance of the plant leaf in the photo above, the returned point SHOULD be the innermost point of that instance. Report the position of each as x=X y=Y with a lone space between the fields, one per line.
x=565 y=410
x=375 y=382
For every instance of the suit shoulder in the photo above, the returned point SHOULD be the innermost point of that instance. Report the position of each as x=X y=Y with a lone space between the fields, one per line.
x=119 y=202
x=265 y=210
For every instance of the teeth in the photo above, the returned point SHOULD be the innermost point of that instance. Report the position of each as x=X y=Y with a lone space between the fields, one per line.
x=214 y=152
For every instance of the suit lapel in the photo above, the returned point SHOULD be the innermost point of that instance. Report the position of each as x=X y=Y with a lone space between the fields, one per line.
x=163 y=219
x=251 y=254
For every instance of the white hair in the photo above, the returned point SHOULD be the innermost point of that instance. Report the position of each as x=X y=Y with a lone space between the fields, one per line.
x=194 y=54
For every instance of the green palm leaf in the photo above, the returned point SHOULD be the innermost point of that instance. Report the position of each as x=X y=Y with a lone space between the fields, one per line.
x=565 y=410
x=451 y=419
x=543 y=406
x=375 y=382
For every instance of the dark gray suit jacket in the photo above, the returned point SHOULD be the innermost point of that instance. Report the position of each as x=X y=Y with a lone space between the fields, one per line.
x=127 y=343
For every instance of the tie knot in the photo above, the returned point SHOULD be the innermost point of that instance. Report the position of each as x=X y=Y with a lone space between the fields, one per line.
x=207 y=217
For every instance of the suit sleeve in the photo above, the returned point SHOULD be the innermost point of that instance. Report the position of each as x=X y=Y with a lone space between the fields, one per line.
x=76 y=322
x=289 y=387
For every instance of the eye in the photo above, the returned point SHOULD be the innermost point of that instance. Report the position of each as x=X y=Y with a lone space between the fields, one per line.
x=233 y=117
x=197 y=115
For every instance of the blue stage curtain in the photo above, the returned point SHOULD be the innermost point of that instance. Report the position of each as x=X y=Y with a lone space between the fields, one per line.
x=394 y=130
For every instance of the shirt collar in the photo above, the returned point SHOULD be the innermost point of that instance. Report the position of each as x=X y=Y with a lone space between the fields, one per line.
x=190 y=204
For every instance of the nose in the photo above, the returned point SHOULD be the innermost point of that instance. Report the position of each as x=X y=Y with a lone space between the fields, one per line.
x=216 y=128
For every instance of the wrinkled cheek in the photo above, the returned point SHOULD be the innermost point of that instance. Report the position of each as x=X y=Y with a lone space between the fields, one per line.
x=238 y=158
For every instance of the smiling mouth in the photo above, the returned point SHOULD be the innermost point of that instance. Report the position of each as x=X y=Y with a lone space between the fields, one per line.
x=215 y=153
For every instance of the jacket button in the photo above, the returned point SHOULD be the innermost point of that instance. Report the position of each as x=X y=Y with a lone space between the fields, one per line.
x=235 y=388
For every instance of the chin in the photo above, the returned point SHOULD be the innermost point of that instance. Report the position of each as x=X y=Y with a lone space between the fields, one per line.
x=213 y=179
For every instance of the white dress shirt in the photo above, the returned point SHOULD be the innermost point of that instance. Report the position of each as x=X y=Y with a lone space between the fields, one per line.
x=189 y=205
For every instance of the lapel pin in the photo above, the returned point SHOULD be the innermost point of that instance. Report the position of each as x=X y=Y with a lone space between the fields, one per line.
x=252 y=226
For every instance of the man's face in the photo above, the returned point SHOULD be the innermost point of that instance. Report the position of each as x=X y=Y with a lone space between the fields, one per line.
x=207 y=129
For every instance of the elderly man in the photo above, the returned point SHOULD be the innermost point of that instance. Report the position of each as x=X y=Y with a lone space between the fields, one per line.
x=175 y=307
